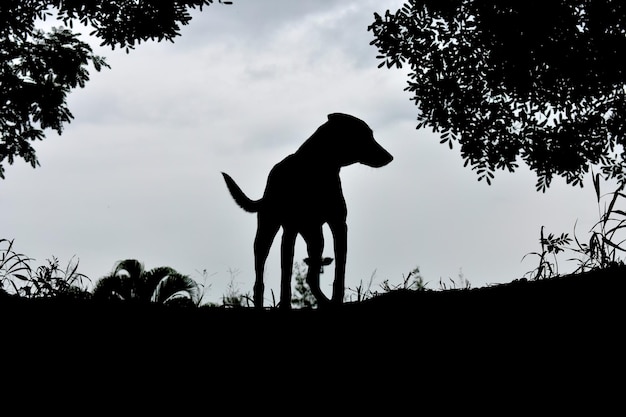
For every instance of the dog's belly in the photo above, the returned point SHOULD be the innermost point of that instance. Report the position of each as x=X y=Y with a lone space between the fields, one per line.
x=305 y=213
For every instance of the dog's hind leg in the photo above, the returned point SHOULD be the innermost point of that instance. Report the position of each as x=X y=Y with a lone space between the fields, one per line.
x=266 y=231
x=315 y=246
x=340 y=236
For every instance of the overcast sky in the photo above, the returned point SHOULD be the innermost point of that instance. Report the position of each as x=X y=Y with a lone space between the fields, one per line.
x=137 y=173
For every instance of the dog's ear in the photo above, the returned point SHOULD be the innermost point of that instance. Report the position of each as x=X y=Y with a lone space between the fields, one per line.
x=338 y=116
x=345 y=118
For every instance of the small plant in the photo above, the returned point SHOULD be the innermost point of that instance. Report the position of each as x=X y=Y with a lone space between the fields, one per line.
x=52 y=281
x=129 y=281
x=203 y=287
x=548 y=267
x=174 y=288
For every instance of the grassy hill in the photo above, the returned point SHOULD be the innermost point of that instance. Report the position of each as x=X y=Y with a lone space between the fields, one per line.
x=582 y=301
x=401 y=347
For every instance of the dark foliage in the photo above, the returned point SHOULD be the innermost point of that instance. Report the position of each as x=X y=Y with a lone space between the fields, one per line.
x=38 y=69
x=541 y=81
x=130 y=281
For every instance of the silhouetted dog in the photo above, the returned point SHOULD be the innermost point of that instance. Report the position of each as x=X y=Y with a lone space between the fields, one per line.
x=303 y=192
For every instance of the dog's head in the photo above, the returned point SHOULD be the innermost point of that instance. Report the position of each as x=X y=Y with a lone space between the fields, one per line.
x=351 y=140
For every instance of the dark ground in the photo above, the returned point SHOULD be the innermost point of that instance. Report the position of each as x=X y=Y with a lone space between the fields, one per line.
x=525 y=337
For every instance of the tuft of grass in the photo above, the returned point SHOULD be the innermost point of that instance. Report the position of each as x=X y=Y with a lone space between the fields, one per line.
x=460 y=283
x=363 y=292
x=413 y=281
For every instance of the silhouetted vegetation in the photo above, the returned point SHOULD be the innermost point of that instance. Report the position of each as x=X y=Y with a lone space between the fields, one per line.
x=544 y=82
x=605 y=247
x=413 y=281
x=129 y=281
x=45 y=281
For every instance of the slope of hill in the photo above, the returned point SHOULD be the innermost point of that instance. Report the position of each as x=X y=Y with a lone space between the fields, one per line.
x=520 y=340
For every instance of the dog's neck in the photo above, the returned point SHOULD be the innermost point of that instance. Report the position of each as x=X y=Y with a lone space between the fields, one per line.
x=318 y=151
x=319 y=162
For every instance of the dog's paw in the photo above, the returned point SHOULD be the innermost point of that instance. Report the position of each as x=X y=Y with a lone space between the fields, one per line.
x=322 y=263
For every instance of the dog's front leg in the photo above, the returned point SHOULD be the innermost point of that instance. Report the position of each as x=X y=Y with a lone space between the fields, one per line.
x=262 y=242
x=340 y=236
x=286 y=267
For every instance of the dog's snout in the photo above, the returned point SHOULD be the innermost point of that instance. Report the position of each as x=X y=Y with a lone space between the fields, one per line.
x=377 y=156
x=387 y=158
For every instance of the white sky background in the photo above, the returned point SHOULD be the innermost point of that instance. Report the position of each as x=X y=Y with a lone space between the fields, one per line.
x=137 y=173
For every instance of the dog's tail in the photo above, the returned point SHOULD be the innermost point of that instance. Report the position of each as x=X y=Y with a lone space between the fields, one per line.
x=251 y=206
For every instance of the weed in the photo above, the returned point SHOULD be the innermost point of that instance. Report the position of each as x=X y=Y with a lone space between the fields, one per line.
x=550 y=245
x=203 y=287
x=461 y=283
